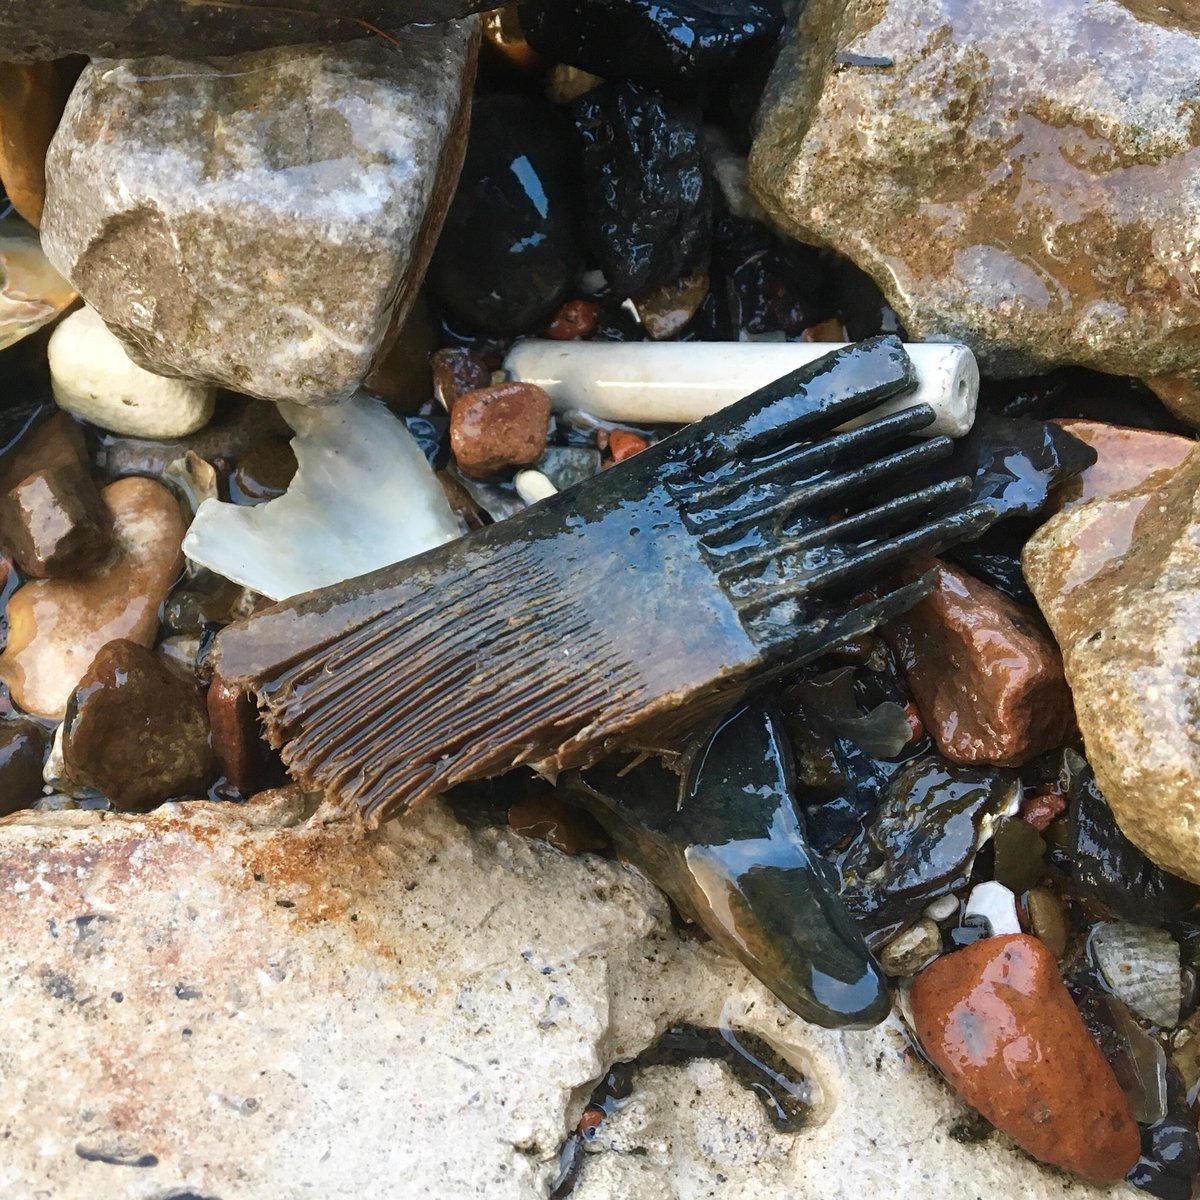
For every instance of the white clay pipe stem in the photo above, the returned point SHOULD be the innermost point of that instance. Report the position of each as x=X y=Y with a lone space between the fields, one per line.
x=674 y=383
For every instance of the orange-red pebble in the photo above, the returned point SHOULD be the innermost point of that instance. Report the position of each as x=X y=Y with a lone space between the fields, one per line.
x=576 y=319
x=998 y=1022
x=623 y=445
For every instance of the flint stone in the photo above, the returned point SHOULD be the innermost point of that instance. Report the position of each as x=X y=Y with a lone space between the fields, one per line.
x=1023 y=177
x=35 y=29
x=260 y=222
x=1118 y=580
x=360 y=1006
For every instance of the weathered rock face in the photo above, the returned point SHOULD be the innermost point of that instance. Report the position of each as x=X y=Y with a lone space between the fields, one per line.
x=260 y=222
x=1118 y=579
x=1023 y=177
x=235 y=998
x=32 y=30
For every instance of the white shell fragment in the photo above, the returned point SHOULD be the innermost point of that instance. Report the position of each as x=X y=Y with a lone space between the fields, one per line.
x=1141 y=965
x=95 y=379
x=678 y=382
x=996 y=904
x=32 y=292
x=363 y=497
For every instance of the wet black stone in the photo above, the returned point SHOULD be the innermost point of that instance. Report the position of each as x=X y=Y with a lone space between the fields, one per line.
x=647 y=194
x=727 y=845
x=508 y=252
x=674 y=46
x=1170 y=1158
x=1105 y=866
x=996 y=559
x=922 y=842
x=860 y=304
x=773 y=284
x=1015 y=462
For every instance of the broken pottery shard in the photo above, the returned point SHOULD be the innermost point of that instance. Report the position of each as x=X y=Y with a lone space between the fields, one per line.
x=726 y=844
x=1118 y=579
x=1022 y=177
x=363 y=497
x=528 y=641
x=34 y=29
x=260 y=222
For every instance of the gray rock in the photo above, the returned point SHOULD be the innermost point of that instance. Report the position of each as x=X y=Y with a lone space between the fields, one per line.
x=260 y=222
x=35 y=29
x=1023 y=177
x=1118 y=580
x=235 y=1001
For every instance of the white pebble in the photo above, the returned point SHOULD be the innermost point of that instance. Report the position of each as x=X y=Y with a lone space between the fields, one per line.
x=533 y=486
x=942 y=909
x=997 y=905
x=95 y=379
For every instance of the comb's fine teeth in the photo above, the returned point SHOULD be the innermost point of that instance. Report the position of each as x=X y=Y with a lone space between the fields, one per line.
x=959 y=526
x=844 y=489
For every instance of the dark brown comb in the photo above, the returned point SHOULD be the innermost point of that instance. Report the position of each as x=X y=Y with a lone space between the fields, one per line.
x=735 y=549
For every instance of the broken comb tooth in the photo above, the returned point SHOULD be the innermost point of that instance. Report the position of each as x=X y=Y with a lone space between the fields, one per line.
x=657 y=591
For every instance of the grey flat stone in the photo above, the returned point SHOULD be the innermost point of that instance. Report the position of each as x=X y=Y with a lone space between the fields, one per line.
x=260 y=222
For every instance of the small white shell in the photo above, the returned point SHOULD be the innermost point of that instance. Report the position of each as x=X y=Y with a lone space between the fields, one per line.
x=997 y=905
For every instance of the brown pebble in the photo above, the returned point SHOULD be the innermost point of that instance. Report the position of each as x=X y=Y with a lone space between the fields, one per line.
x=997 y=1021
x=23 y=746
x=457 y=372
x=32 y=99
x=623 y=445
x=57 y=626
x=499 y=427
x=545 y=817
x=240 y=752
x=52 y=519
x=263 y=473
x=576 y=319
x=986 y=677
x=136 y=730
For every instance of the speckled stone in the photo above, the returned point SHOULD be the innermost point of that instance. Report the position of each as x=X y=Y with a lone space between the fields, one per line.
x=260 y=222
x=1024 y=177
x=1118 y=580
x=998 y=1022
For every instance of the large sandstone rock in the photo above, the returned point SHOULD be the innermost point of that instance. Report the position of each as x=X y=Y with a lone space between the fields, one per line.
x=225 y=1001
x=1118 y=579
x=33 y=29
x=260 y=222
x=1022 y=176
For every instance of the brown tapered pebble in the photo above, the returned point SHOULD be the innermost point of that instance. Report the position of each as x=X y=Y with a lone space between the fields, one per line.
x=987 y=679
x=22 y=754
x=997 y=1021
x=576 y=319
x=136 y=730
x=498 y=427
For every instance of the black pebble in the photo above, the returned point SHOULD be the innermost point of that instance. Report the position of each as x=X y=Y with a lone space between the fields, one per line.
x=647 y=195
x=682 y=47
x=508 y=253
